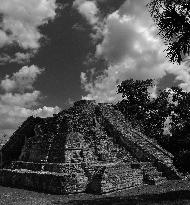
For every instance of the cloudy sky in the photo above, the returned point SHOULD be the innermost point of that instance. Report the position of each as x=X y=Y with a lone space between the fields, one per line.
x=55 y=52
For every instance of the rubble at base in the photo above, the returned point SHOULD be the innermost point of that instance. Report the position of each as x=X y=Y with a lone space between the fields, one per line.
x=87 y=148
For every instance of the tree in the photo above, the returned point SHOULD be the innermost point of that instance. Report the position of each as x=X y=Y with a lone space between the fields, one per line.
x=173 y=20
x=139 y=108
x=135 y=92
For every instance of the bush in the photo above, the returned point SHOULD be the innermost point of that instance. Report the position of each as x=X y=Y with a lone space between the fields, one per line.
x=183 y=161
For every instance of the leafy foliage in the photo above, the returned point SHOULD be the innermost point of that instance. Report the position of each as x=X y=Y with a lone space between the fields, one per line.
x=138 y=106
x=135 y=92
x=173 y=20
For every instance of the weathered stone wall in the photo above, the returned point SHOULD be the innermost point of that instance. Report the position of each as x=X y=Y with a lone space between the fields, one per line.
x=122 y=180
x=71 y=177
x=48 y=142
x=49 y=182
x=13 y=148
x=56 y=153
x=105 y=178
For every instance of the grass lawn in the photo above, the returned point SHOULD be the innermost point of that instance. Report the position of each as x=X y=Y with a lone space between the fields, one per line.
x=172 y=192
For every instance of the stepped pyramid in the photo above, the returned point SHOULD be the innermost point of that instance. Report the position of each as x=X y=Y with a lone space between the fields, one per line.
x=88 y=148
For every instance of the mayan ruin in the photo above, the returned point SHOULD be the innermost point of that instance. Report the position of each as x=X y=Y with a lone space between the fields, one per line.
x=88 y=148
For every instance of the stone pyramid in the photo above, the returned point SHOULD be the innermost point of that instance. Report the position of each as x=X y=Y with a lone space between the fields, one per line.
x=88 y=148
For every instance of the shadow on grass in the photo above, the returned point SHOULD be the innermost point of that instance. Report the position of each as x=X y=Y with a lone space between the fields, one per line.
x=172 y=197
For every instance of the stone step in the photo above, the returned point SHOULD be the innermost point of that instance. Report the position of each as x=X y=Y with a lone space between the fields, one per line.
x=155 y=174
x=149 y=167
x=151 y=171
x=49 y=182
x=154 y=180
x=145 y=145
x=159 y=180
x=49 y=167
x=152 y=176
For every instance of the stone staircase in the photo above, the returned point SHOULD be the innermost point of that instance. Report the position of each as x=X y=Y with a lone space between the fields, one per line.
x=151 y=175
x=143 y=148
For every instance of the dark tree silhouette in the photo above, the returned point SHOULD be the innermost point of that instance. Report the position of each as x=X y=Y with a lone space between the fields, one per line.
x=173 y=20
x=135 y=92
x=139 y=108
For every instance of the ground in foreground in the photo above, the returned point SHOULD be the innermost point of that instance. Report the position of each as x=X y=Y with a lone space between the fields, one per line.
x=172 y=192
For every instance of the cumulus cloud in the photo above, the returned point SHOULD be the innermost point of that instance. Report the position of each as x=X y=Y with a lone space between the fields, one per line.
x=20 y=99
x=103 y=89
x=21 y=80
x=46 y=111
x=133 y=50
x=19 y=58
x=4 y=39
x=88 y=9
x=182 y=74
x=21 y=19
x=11 y=116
